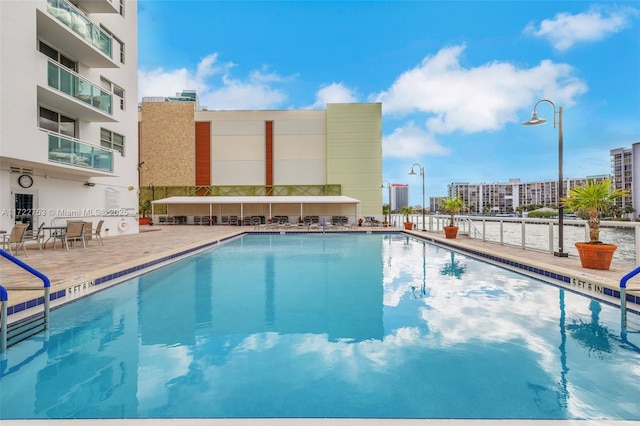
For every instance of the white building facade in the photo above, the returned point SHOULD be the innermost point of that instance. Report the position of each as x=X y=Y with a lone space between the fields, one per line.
x=68 y=113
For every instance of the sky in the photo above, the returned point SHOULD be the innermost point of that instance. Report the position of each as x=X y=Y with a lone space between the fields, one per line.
x=456 y=79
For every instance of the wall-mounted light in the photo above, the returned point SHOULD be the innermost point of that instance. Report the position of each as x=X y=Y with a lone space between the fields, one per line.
x=89 y=184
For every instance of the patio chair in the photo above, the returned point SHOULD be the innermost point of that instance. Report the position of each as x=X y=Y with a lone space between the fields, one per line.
x=16 y=239
x=171 y=220
x=98 y=232
x=162 y=219
x=233 y=220
x=38 y=237
x=75 y=232
x=197 y=220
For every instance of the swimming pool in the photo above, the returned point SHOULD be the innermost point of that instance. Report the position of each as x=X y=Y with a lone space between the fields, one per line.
x=312 y=325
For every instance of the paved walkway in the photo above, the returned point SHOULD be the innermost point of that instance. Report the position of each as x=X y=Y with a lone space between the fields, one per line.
x=77 y=266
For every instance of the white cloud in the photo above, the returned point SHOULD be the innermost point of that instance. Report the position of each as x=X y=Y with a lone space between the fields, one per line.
x=565 y=30
x=471 y=100
x=333 y=93
x=216 y=87
x=411 y=141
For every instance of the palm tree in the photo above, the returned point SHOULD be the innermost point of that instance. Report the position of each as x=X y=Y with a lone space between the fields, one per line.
x=452 y=206
x=594 y=198
x=406 y=211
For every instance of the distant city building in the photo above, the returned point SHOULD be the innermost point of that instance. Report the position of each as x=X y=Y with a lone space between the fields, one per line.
x=622 y=161
x=509 y=197
x=399 y=196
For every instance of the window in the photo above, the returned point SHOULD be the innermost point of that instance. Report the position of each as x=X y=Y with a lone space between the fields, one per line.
x=57 y=56
x=114 y=88
x=51 y=120
x=109 y=139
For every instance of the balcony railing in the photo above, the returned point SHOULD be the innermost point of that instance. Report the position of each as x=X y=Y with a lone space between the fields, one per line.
x=67 y=81
x=67 y=150
x=75 y=20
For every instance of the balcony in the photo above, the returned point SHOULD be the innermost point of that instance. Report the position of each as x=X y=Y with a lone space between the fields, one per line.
x=74 y=152
x=99 y=6
x=69 y=92
x=62 y=24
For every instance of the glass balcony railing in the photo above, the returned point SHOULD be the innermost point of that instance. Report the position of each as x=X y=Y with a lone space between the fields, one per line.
x=77 y=22
x=67 y=150
x=66 y=81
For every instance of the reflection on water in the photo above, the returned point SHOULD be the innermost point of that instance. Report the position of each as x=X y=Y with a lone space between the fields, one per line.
x=327 y=326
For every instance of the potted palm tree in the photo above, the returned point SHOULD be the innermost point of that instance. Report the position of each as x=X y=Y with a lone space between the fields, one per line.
x=145 y=206
x=451 y=205
x=406 y=211
x=594 y=198
x=385 y=212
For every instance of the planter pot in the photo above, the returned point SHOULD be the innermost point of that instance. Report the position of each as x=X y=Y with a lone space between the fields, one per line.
x=596 y=256
x=144 y=220
x=450 y=231
x=408 y=226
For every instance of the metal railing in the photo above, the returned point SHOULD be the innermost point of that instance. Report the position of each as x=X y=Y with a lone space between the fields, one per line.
x=34 y=325
x=538 y=234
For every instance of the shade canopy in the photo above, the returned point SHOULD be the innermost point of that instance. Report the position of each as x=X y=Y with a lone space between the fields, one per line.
x=261 y=205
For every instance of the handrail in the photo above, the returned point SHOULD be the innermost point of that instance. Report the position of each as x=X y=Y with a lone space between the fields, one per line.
x=623 y=294
x=5 y=297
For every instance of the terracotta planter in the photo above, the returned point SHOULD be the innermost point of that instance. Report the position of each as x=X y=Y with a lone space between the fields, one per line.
x=596 y=256
x=450 y=231
x=408 y=226
x=144 y=220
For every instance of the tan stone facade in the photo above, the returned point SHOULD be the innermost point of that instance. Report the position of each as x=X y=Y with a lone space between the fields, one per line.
x=167 y=144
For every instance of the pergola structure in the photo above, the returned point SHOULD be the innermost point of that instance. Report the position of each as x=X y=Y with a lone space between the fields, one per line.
x=267 y=206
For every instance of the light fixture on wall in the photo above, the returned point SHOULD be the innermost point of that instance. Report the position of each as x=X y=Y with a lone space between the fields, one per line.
x=87 y=183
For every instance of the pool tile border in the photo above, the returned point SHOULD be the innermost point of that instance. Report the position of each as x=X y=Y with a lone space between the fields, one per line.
x=564 y=279
x=32 y=303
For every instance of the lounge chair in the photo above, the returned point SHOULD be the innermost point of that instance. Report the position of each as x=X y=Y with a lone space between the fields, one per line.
x=98 y=232
x=16 y=239
x=162 y=219
x=233 y=220
x=197 y=220
x=75 y=232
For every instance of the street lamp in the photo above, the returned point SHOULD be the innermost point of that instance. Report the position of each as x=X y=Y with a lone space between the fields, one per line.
x=412 y=172
x=386 y=184
x=557 y=121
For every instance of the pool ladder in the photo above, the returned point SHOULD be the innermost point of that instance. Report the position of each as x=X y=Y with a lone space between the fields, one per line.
x=37 y=323
x=630 y=321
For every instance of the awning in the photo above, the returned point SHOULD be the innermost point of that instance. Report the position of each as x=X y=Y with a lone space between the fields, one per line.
x=341 y=201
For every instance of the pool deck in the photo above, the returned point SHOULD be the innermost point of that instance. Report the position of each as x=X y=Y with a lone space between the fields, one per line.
x=77 y=267
x=127 y=255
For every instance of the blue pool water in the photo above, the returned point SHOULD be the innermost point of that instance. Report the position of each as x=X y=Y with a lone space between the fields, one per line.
x=329 y=325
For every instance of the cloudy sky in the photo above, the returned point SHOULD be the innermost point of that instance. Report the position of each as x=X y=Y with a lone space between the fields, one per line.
x=456 y=78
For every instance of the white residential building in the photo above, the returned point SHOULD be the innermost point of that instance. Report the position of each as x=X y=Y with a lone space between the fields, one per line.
x=68 y=113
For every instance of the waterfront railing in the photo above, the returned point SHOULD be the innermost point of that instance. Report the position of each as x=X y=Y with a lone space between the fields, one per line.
x=536 y=234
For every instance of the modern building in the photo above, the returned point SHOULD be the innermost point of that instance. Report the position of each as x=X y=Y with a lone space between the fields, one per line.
x=622 y=170
x=399 y=193
x=509 y=197
x=68 y=128
x=185 y=150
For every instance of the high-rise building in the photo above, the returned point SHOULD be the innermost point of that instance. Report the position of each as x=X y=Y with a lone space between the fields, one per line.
x=399 y=196
x=622 y=161
x=68 y=128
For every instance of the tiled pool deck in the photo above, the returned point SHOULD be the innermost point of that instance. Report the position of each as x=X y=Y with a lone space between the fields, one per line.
x=127 y=254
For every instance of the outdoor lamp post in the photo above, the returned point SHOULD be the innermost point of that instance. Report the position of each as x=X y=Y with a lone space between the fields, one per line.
x=386 y=184
x=412 y=172
x=557 y=121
